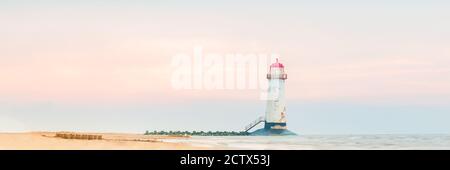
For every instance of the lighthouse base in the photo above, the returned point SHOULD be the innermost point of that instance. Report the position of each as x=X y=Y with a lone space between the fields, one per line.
x=273 y=129
x=272 y=132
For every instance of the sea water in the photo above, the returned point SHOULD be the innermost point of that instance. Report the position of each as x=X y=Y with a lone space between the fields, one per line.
x=388 y=142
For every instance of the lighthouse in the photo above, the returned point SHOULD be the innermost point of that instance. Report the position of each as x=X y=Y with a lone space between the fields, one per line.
x=275 y=115
x=276 y=103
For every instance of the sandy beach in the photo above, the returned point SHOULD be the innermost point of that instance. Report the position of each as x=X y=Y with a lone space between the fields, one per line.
x=109 y=141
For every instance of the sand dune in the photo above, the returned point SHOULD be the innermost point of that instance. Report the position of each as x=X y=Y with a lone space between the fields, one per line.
x=110 y=141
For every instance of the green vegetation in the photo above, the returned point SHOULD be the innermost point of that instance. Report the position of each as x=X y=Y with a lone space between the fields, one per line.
x=198 y=133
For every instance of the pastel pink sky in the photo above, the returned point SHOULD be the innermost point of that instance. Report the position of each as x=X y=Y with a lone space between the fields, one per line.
x=124 y=53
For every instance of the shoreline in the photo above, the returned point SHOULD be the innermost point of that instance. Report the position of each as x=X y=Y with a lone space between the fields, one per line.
x=109 y=141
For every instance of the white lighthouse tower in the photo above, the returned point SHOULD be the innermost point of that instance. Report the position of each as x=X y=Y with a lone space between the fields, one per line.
x=275 y=117
x=276 y=103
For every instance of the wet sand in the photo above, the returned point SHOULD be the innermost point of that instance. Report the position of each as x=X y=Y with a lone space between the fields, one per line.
x=109 y=141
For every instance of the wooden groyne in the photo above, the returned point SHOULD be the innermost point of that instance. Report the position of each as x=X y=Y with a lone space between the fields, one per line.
x=71 y=135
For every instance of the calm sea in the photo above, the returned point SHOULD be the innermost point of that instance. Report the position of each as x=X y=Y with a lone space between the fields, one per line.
x=390 y=142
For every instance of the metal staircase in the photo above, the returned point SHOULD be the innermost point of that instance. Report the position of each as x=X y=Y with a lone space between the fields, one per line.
x=254 y=123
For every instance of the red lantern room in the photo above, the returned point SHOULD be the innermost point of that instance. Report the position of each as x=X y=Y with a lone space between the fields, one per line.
x=276 y=71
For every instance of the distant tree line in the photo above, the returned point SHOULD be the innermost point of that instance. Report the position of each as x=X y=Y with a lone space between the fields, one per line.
x=198 y=133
